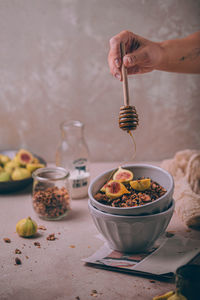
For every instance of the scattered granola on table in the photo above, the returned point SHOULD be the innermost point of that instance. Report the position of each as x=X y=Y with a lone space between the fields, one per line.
x=94 y=293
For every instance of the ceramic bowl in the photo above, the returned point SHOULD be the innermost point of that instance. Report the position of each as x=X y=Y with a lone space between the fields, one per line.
x=131 y=234
x=140 y=170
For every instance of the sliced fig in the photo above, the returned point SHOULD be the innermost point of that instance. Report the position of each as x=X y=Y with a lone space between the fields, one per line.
x=103 y=189
x=141 y=184
x=24 y=157
x=123 y=175
x=115 y=189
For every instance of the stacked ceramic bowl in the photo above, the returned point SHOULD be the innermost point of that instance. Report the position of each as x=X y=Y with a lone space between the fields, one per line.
x=133 y=229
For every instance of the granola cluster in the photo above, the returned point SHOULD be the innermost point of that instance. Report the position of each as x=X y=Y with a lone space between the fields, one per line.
x=135 y=198
x=51 y=202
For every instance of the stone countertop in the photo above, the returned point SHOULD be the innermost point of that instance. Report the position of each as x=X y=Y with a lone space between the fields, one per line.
x=56 y=270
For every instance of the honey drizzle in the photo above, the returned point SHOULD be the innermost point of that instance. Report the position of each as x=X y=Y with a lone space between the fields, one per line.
x=134 y=155
x=135 y=148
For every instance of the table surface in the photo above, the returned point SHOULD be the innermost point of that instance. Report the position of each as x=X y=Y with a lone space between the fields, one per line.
x=56 y=270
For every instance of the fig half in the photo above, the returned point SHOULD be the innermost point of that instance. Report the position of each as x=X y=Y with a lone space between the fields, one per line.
x=141 y=184
x=115 y=189
x=123 y=175
x=24 y=157
x=103 y=189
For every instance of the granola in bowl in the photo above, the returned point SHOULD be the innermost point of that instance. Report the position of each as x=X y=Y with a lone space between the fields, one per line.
x=134 y=197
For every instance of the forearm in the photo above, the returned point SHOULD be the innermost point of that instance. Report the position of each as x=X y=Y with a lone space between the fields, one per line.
x=181 y=55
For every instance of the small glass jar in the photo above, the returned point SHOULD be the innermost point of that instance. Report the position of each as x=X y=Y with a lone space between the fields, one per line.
x=50 y=196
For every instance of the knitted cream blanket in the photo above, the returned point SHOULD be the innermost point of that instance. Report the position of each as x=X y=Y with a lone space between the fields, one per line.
x=185 y=169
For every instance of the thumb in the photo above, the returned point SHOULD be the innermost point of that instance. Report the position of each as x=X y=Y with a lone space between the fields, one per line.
x=138 y=57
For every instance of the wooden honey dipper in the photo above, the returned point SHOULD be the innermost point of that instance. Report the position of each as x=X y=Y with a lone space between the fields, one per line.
x=128 y=117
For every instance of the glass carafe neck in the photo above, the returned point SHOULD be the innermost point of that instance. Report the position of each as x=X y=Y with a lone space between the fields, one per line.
x=72 y=130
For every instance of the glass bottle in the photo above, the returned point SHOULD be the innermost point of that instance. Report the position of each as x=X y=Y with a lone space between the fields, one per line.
x=51 y=197
x=73 y=154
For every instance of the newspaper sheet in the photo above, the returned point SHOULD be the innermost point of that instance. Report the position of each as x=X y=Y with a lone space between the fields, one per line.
x=160 y=262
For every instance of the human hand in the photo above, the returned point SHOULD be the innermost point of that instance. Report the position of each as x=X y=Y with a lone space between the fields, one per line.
x=142 y=55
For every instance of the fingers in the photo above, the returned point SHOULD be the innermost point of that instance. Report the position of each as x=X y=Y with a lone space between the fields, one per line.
x=113 y=69
x=114 y=57
x=115 y=46
x=138 y=62
x=139 y=57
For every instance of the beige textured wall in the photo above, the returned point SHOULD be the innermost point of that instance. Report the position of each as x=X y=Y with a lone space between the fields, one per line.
x=53 y=67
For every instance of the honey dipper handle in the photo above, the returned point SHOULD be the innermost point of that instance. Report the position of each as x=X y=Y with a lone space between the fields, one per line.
x=124 y=76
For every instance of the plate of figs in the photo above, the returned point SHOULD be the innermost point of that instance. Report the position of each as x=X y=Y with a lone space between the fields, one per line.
x=16 y=168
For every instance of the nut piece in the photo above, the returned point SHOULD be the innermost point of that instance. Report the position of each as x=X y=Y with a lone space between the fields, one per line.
x=42 y=227
x=18 y=261
x=17 y=251
x=144 y=197
x=51 y=237
x=94 y=293
x=37 y=244
x=7 y=240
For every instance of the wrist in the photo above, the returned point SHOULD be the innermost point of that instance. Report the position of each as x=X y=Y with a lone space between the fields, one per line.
x=163 y=60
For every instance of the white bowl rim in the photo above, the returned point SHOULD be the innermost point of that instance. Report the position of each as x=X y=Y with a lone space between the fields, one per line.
x=151 y=216
x=137 y=165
